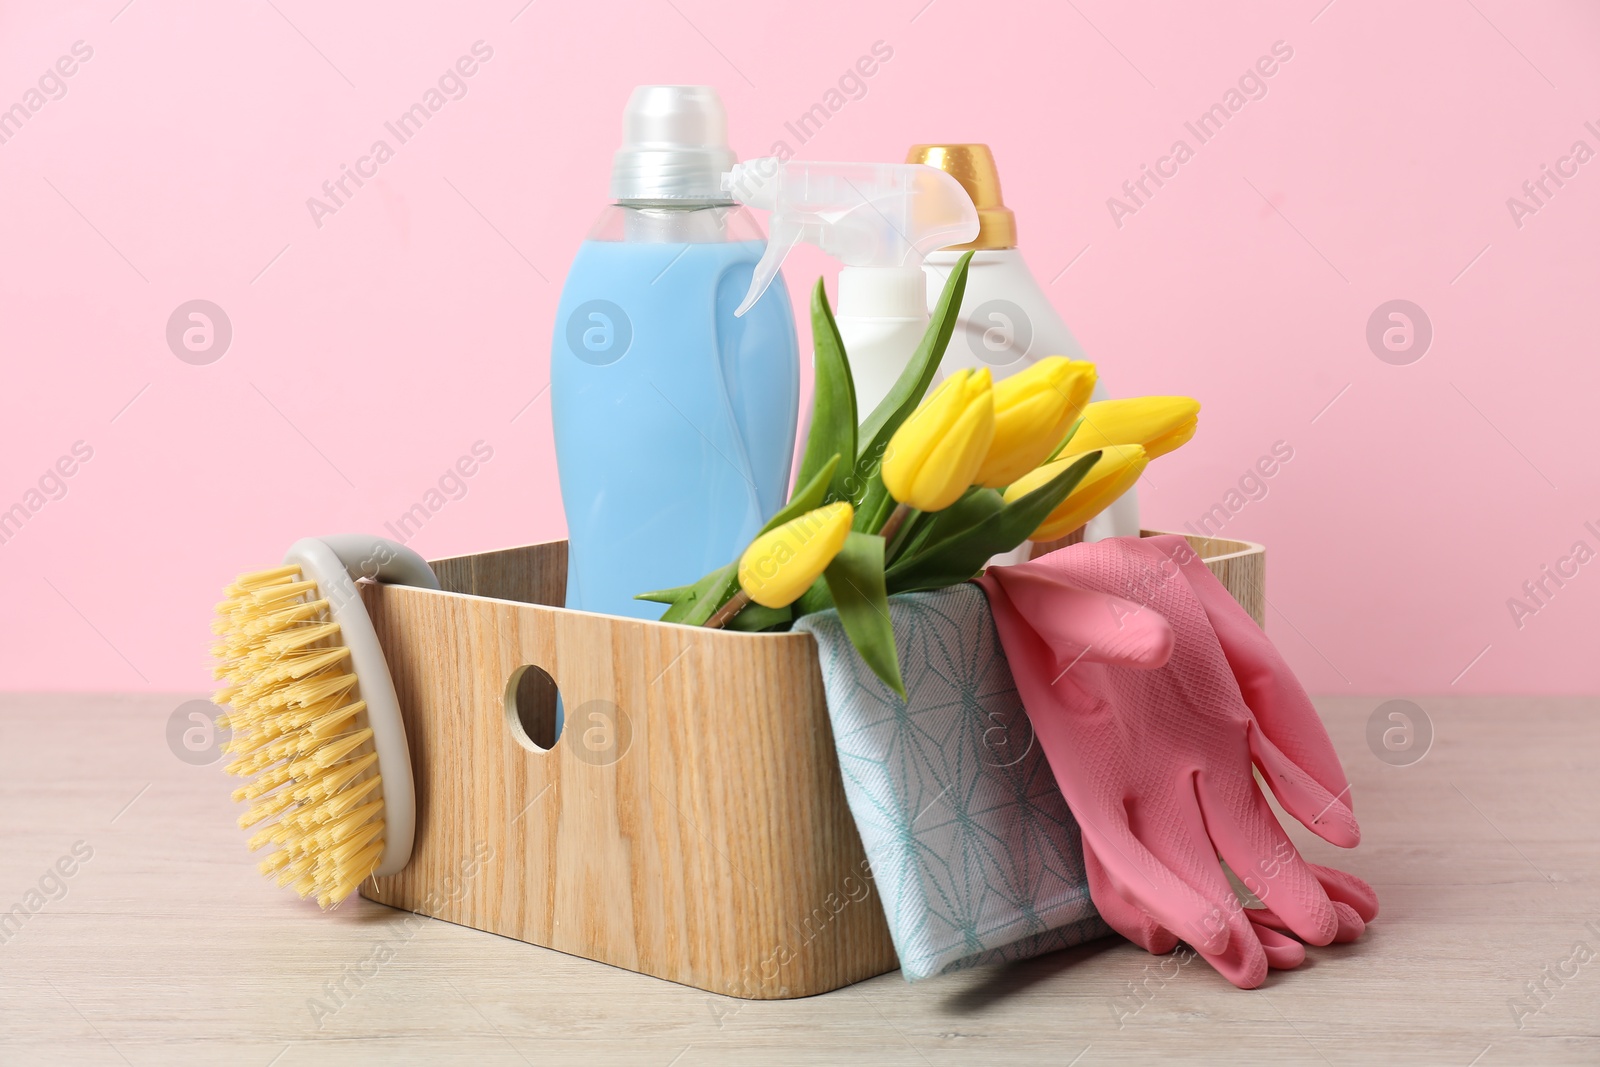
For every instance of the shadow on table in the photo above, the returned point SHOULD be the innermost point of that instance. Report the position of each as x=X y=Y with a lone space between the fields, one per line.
x=1004 y=980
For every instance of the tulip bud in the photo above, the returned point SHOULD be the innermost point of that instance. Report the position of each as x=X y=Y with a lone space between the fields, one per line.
x=1113 y=474
x=1033 y=410
x=782 y=563
x=1159 y=423
x=934 y=456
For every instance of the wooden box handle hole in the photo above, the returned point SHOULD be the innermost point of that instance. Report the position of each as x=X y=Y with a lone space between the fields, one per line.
x=531 y=697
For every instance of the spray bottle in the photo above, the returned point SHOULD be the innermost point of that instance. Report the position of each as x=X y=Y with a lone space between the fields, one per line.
x=881 y=220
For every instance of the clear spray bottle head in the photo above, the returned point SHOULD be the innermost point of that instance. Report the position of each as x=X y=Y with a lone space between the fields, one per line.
x=863 y=214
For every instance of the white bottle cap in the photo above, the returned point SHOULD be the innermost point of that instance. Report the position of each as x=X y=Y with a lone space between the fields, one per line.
x=674 y=145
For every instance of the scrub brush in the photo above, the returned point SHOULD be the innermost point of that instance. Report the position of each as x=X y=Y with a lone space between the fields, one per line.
x=316 y=724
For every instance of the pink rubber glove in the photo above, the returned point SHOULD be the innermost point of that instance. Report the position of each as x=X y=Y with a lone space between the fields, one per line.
x=1154 y=695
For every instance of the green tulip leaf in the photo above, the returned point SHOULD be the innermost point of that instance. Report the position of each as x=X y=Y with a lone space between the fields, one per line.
x=811 y=494
x=666 y=596
x=833 y=400
x=962 y=553
x=975 y=506
x=914 y=522
x=813 y=600
x=875 y=506
x=755 y=617
x=855 y=578
x=1065 y=441
x=704 y=597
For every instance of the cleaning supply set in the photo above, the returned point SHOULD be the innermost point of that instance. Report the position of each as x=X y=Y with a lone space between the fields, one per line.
x=1018 y=758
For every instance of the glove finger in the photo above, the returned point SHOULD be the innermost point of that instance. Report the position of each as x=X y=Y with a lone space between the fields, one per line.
x=1248 y=836
x=1283 y=953
x=1302 y=796
x=1270 y=689
x=1139 y=876
x=1351 y=925
x=1122 y=915
x=1244 y=962
x=1176 y=834
x=1345 y=888
x=1350 y=929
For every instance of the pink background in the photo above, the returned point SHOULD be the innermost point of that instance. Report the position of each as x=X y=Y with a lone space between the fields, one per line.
x=372 y=352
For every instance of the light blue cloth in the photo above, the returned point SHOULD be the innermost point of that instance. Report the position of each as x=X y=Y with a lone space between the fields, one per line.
x=975 y=855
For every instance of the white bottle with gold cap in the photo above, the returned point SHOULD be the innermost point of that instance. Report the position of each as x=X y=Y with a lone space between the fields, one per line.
x=1007 y=323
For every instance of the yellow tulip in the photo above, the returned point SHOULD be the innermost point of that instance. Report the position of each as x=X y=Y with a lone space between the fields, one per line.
x=782 y=563
x=1033 y=411
x=1159 y=423
x=935 y=454
x=1113 y=474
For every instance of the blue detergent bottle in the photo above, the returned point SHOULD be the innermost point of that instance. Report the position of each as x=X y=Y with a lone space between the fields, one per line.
x=674 y=419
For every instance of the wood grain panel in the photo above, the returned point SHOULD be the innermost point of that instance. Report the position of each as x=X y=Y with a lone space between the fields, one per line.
x=690 y=823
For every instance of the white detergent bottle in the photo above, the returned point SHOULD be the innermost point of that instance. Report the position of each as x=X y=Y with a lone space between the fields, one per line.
x=1006 y=323
x=880 y=220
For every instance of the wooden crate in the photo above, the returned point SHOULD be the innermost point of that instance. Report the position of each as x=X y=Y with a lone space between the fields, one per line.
x=689 y=823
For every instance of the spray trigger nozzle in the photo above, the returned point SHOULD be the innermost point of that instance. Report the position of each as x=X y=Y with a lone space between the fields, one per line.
x=864 y=214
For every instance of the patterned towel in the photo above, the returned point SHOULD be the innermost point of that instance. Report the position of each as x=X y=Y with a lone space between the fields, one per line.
x=974 y=852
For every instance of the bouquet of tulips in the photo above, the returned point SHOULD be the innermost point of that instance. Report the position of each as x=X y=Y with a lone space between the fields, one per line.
x=924 y=492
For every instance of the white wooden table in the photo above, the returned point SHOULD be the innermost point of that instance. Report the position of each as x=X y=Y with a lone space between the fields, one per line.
x=166 y=947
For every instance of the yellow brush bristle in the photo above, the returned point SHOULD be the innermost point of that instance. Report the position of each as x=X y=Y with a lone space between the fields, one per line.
x=299 y=734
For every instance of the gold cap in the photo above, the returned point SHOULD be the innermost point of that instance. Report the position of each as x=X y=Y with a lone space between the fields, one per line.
x=973 y=166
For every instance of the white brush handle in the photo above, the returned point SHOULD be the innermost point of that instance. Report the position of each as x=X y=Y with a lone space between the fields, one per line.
x=334 y=563
x=366 y=556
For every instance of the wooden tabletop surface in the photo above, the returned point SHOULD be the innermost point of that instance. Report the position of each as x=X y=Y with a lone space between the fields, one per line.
x=150 y=939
